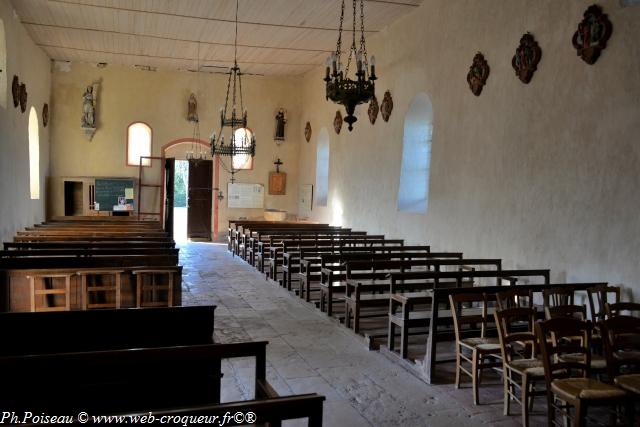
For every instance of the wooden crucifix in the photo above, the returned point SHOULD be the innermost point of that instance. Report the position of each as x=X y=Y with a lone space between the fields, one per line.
x=277 y=180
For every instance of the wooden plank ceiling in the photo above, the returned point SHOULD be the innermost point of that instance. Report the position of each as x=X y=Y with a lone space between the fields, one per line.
x=275 y=37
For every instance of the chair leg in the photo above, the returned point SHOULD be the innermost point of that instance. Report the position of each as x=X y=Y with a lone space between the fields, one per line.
x=404 y=340
x=391 y=339
x=551 y=411
x=507 y=389
x=458 y=350
x=581 y=413
x=524 y=399
x=474 y=377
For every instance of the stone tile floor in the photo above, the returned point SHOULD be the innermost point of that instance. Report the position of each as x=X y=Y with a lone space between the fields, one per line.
x=310 y=353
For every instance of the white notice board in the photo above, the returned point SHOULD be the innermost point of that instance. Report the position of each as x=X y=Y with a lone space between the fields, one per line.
x=305 y=201
x=241 y=195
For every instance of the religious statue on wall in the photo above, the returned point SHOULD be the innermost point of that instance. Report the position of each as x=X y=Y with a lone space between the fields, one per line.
x=88 y=120
x=88 y=109
x=281 y=121
x=192 y=109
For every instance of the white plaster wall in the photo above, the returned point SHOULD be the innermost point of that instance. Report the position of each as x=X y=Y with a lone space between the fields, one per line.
x=31 y=65
x=542 y=175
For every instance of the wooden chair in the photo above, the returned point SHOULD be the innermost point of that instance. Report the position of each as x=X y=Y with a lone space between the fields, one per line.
x=563 y=356
x=600 y=295
x=620 y=308
x=519 y=361
x=621 y=336
x=93 y=283
x=149 y=283
x=516 y=297
x=481 y=347
x=49 y=290
x=559 y=302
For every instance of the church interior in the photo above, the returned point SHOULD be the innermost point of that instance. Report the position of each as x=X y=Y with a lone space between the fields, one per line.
x=320 y=213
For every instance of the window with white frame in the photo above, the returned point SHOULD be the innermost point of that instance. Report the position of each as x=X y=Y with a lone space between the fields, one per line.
x=322 y=168
x=413 y=193
x=34 y=155
x=139 y=139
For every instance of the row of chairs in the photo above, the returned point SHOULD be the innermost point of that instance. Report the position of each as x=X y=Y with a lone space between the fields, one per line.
x=554 y=351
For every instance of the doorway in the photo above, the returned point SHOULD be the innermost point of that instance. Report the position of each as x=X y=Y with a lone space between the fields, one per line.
x=180 y=186
x=199 y=198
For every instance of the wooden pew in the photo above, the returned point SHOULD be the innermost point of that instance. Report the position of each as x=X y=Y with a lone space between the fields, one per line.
x=302 y=264
x=258 y=246
x=109 y=329
x=275 y=259
x=243 y=228
x=16 y=277
x=368 y=283
x=88 y=245
x=106 y=375
x=279 y=248
x=243 y=238
x=88 y=252
x=333 y=271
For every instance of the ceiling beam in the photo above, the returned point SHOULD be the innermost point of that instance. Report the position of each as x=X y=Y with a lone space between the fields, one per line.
x=231 y=21
x=122 y=33
x=175 y=58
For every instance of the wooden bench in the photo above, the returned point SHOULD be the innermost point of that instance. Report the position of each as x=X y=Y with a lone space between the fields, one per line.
x=333 y=275
x=133 y=244
x=275 y=259
x=20 y=276
x=368 y=283
x=311 y=262
x=259 y=246
x=262 y=234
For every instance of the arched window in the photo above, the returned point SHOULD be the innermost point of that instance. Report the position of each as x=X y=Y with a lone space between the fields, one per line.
x=139 y=138
x=322 y=168
x=242 y=138
x=413 y=194
x=3 y=67
x=34 y=155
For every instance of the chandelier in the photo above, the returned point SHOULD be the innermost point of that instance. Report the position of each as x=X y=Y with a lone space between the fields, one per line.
x=233 y=117
x=340 y=88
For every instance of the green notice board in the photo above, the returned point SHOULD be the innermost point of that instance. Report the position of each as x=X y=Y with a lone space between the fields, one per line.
x=108 y=190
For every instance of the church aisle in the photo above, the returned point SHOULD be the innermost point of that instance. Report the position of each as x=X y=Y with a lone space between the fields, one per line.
x=308 y=352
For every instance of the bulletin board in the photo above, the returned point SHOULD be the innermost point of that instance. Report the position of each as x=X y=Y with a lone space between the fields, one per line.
x=242 y=195
x=109 y=190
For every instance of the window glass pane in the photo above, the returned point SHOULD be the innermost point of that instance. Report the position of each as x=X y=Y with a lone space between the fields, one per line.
x=413 y=193
x=322 y=168
x=34 y=155
x=139 y=144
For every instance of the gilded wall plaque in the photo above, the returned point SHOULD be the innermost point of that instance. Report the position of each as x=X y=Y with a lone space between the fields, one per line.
x=592 y=35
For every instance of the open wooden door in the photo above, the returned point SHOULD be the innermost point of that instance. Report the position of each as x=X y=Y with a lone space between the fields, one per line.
x=199 y=201
x=169 y=173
